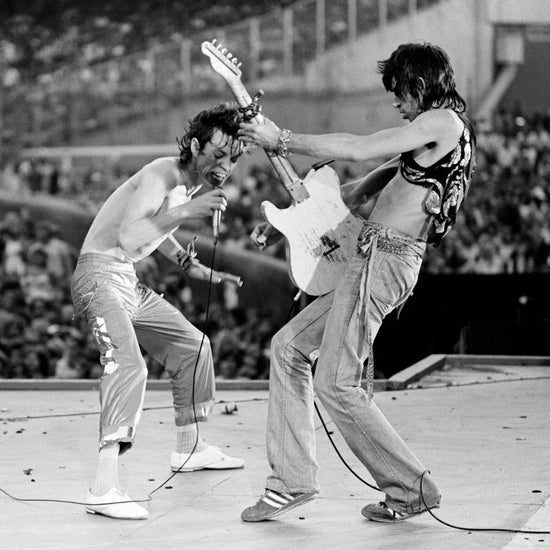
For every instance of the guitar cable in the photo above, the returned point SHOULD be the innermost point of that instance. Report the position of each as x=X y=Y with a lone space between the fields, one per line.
x=149 y=496
x=362 y=480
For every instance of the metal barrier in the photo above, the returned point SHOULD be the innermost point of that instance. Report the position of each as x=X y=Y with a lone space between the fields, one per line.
x=69 y=103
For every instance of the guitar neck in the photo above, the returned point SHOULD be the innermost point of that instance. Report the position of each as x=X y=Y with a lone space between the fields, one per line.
x=282 y=166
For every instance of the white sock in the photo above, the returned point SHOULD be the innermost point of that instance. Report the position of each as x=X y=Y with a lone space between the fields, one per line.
x=107 y=470
x=186 y=437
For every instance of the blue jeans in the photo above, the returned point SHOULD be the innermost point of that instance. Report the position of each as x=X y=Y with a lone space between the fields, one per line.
x=339 y=327
x=123 y=315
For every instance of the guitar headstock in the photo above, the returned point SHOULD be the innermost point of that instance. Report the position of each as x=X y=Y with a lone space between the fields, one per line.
x=222 y=61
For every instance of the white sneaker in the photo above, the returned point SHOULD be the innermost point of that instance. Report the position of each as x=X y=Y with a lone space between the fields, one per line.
x=124 y=509
x=210 y=458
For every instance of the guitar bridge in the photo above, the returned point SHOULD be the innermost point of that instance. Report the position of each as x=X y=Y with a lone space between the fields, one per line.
x=327 y=246
x=331 y=250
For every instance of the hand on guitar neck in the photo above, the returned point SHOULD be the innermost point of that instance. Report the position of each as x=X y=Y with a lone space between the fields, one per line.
x=265 y=135
x=320 y=231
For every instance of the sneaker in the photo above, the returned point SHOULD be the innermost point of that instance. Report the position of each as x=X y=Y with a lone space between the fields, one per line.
x=382 y=513
x=210 y=458
x=124 y=508
x=273 y=504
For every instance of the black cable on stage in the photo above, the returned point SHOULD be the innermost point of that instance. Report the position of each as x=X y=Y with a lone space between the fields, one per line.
x=498 y=529
x=334 y=446
x=340 y=454
x=149 y=497
x=87 y=413
x=476 y=529
x=207 y=312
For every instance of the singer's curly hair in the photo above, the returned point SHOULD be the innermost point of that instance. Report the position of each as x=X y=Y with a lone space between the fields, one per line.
x=409 y=63
x=224 y=117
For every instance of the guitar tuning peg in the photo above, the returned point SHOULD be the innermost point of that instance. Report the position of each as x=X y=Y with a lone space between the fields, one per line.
x=229 y=55
x=235 y=60
x=224 y=51
x=214 y=41
x=239 y=65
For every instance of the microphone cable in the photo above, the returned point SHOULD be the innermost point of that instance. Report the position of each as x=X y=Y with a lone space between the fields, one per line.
x=438 y=519
x=149 y=497
x=325 y=427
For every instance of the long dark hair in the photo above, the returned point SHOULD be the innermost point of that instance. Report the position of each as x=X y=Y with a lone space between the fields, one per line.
x=402 y=71
x=224 y=117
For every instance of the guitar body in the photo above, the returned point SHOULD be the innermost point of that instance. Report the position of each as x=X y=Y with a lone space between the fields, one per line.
x=320 y=231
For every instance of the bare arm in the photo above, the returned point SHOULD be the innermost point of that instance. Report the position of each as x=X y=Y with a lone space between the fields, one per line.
x=170 y=248
x=149 y=215
x=355 y=192
x=429 y=127
x=175 y=252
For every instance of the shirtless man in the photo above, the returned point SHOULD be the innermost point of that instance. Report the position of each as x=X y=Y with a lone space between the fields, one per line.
x=123 y=314
x=407 y=202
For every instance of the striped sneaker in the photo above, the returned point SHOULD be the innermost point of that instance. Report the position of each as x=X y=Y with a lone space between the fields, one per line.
x=273 y=504
x=382 y=513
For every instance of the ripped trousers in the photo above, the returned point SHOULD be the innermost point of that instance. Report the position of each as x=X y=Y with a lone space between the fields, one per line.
x=123 y=315
x=339 y=329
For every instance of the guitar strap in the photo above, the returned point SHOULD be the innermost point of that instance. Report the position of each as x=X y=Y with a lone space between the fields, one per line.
x=374 y=237
x=369 y=243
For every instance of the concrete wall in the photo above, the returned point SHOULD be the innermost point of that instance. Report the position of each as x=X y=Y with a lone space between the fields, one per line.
x=464 y=28
x=532 y=84
x=519 y=12
x=460 y=27
x=341 y=89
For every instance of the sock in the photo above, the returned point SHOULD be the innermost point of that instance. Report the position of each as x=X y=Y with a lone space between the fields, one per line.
x=186 y=436
x=107 y=470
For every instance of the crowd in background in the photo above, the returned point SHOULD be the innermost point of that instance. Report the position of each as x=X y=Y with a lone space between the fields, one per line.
x=503 y=227
x=41 y=338
x=40 y=37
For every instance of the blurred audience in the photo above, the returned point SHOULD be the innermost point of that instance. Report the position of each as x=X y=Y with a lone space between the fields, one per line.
x=41 y=338
x=504 y=228
x=505 y=224
x=39 y=38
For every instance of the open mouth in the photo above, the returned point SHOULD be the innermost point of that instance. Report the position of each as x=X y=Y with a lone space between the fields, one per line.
x=217 y=177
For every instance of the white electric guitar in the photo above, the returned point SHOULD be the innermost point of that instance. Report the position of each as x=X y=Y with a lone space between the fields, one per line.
x=320 y=230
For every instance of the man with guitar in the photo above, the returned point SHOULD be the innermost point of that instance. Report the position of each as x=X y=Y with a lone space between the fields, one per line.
x=124 y=315
x=407 y=202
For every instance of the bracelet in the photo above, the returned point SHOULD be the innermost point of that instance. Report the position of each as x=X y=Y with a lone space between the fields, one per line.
x=185 y=261
x=186 y=257
x=282 y=146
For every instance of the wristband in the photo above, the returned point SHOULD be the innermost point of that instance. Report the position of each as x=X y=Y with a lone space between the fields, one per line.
x=282 y=145
x=186 y=258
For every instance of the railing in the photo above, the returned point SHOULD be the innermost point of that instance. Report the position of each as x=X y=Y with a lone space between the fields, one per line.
x=68 y=103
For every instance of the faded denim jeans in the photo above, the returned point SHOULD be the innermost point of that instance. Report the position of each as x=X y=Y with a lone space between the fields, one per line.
x=340 y=327
x=123 y=315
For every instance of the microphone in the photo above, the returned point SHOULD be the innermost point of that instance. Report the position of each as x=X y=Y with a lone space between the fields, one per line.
x=216 y=220
x=222 y=277
x=217 y=216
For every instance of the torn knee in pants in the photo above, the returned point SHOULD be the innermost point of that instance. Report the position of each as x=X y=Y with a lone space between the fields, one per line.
x=105 y=344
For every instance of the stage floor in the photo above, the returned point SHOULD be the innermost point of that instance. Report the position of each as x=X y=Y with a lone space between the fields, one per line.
x=483 y=433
